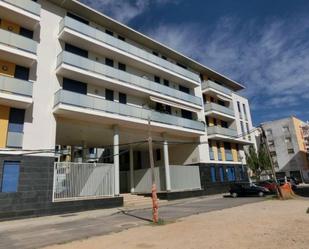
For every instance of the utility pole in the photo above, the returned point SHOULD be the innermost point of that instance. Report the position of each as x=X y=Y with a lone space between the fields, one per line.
x=155 y=205
x=264 y=139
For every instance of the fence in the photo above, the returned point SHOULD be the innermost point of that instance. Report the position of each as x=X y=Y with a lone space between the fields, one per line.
x=78 y=181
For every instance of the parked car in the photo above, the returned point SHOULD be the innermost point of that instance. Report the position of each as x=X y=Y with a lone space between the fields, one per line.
x=247 y=189
x=269 y=184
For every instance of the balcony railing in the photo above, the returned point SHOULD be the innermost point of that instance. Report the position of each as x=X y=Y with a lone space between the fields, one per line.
x=17 y=41
x=99 y=104
x=215 y=86
x=27 y=5
x=218 y=108
x=15 y=86
x=96 y=67
x=101 y=36
x=216 y=130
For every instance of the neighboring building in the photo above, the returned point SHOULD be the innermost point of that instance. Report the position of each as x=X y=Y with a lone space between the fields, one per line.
x=305 y=130
x=75 y=80
x=287 y=147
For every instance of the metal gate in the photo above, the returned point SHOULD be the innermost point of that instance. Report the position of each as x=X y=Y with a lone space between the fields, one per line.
x=79 y=181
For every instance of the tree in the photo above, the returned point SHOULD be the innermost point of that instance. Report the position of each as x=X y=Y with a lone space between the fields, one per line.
x=258 y=161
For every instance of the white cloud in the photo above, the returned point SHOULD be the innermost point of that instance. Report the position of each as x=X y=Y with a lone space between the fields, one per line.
x=124 y=10
x=272 y=60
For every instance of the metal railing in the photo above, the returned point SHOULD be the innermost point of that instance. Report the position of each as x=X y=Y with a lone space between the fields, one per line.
x=17 y=41
x=99 y=104
x=215 y=86
x=213 y=130
x=15 y=86
x=125 y=46
x=27 y=5
x=218 y=108
x=78 y=181
x=93 y=66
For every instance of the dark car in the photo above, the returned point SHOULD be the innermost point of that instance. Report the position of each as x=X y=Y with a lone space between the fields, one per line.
x=247 y=189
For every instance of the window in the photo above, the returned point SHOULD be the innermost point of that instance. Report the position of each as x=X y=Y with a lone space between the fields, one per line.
x=163 y=57
x=221 y=174
x=109 y=94
x=211 y=153
x=122 y=98
x=166 y=82
x=109 y=32
x=181 y=65
x=158 y=154
x=10 y=177
x=74 y=86
x=213 y=174
x=219 y=152
x=121 y=38
x=26 y=33
x=16 y=120
x=184 y=89
x=186 y=114
x=245 y=111
x=231 y=174
x=76 y=50
x=242 y=128
x=157 y=79
x=224 y=124
x=21 y=73
x=77 y=18
x=109 y=62
x=291 y=151
x=168 y=109
x=122 y=66
x=239 y=110
x=288 y=140
x=155 y=53
x=220 y=102
x=228 y=151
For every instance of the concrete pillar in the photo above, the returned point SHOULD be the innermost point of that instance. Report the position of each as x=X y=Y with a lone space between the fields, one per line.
x=116 y=159
x=167 y=166
x=132 y=184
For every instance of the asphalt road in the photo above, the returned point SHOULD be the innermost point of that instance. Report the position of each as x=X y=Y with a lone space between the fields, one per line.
x=39 y=232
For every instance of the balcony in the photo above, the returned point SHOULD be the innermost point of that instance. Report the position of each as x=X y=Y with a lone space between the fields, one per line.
x=131 y=79
x=23 y=12
x=212 y=86
x=124 y=47
x=126 y=111
x=217 y=130
x=17 y=48
x=214 y=108
x=15 y=92
x=29 y=6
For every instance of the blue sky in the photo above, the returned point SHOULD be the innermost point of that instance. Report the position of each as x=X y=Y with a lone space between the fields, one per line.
x=263 y=44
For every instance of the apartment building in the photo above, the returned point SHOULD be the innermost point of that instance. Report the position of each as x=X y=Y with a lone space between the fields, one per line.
x=79 y=95
x=287 y=147
x=305 y=132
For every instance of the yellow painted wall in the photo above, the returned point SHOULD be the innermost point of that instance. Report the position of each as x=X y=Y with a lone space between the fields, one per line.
x=222 y=151
x=7 y=68
x=300 y=140
x=215 y=150
x=234 y=153
x=10 y=26
x=4 y=124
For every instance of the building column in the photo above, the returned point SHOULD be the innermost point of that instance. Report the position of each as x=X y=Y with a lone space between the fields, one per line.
x=132 y=184
x=116 y=159
x=166 y=166
x=84 y=152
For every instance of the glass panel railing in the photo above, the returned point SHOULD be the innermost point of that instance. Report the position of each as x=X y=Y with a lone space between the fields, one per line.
x=218 y=108
x=95 y=103
x=212 y=130
x=124 y=46
x=90 y=65
x=15 y=86
x=213 y=85
x=17 y=41
x=27 y=5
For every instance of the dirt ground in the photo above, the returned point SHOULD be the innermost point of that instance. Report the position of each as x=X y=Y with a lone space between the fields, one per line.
x=270 y=224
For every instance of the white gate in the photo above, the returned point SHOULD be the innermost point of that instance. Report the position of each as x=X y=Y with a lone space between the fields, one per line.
x=79 y=181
